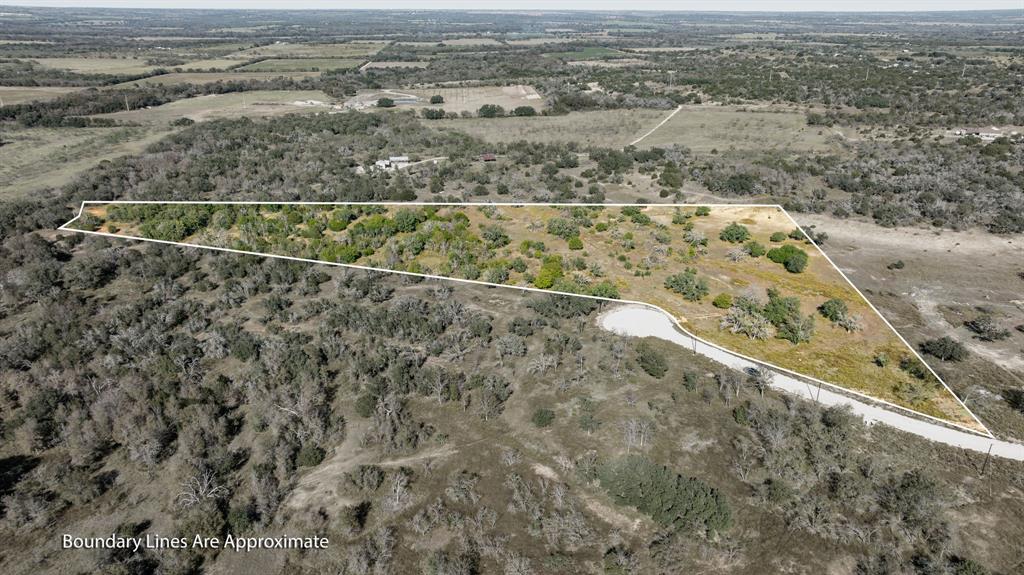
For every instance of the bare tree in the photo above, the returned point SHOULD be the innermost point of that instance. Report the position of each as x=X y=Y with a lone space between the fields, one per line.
x=200 y=488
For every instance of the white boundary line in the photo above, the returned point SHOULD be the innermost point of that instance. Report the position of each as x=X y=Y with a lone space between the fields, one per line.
x=841 y=389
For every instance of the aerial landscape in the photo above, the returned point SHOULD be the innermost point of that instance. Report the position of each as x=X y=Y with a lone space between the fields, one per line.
x=463 y=292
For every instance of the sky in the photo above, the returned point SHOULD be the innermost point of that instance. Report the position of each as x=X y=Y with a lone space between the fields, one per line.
x=697 y=5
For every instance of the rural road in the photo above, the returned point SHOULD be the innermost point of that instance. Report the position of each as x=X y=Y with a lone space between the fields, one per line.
x=642 y=321
x=654 y=129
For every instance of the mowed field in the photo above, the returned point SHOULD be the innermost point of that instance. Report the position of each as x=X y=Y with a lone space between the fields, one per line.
x=301 y=64
x=458 y=99
x=700 y=128
x=210 y=77
x=98 y=65
x=706 y=128
x=11 y=95
x=613 y=128
x=288 y=50
x=41 y=158
x=233 y=105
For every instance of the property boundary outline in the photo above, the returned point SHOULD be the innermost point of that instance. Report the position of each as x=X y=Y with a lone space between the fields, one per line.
x=985 y=433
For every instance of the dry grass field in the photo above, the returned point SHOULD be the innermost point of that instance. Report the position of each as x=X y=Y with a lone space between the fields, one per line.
x=289 y=50
x=98 y=65
x=723 y=128
x=396 y=64
x=638 y=258
x=233 y=105
x=301 y=64
x=210 y=77
x=457 y=99
x=11 y=95
x=41 y=158
x=612 y=128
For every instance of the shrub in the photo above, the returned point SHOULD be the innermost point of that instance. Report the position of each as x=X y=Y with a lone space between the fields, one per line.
x=791 y=257
x=722 y=301
x=914 y=367
x=688 y=285
x=524 y=111
x=703 y=211
x=680 y=503
x=778 y=237
x=755 y=249
x=549 y=272
x=834 y=310
x=651 y=360
x=945 y=348
x=734 y=233
x=575 y=243
x=543 y=417
x=437 y=99
x=986 y=328
x=309 y=456
x=385 y=103
x=896 y=265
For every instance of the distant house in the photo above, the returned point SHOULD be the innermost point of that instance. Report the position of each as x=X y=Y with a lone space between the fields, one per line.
x=399 y=159
x=986 y=134
x=488 y=157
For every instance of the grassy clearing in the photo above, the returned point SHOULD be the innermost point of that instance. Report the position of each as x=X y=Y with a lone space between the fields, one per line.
x=588 y=53
x=461 y=99
x=11 y=95
x=396 y=64
x=610 y=252
x=42 y=158
x=706 y=128
x=301 y=64
x=98 y=65
x=210 y=77
x=286 y=50
x=613 y=128
x=212 y=64
x=233 y=105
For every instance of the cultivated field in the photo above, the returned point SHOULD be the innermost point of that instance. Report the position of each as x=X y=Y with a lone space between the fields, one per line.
x=233 y=105
x=635 y=254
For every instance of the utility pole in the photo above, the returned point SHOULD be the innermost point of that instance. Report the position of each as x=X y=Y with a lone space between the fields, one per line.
x=964 y=71
x=126 y=107
x=984 y=466
x=867 y=72
x=771 y=73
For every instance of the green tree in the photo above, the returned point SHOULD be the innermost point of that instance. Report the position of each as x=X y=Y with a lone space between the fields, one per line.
x=524 y=111
x=734 y=233
x=651 y=360
x=680 y=503
x=490 y=111
x=437 y=99
x=385 y=103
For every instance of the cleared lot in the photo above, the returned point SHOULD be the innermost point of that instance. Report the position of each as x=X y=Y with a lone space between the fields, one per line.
x=11 y=95
x=234 y=105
